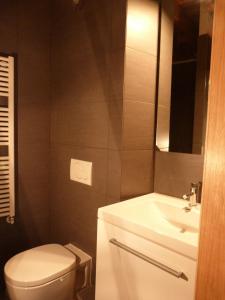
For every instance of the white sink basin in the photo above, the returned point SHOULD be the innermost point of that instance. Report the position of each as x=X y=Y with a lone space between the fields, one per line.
x=159 y=218
x=165 y=216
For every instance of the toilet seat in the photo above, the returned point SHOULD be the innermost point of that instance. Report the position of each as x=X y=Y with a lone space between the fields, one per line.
x=39 y=265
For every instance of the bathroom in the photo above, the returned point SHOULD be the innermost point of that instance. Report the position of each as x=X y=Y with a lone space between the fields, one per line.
x=87 y=88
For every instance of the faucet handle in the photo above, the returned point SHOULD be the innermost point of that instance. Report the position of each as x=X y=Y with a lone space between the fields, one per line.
x=186 y=197
x=196 y=184
x=197 y=189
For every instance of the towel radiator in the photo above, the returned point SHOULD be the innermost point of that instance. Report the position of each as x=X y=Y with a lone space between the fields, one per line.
x=7 y=173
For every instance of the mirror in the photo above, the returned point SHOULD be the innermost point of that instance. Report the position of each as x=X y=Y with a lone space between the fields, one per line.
x=183 y=75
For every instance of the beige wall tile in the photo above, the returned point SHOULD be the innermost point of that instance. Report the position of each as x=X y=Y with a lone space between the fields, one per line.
x=142 y=25
x=140 y=76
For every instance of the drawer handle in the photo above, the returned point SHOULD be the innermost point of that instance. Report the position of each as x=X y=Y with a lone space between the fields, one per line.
x=149 y=260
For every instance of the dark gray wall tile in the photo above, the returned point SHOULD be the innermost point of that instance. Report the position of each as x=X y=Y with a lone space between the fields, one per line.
x=33 y=124
x=138 y=125
x=8 y=26
x=86 y=120
x=174 y=172
x=115 y=124
x=116 y=79
x=119 y=11
x=74 y=205
x=80 y=124
x=114 y=176
x=25 y=32
x=137 y=173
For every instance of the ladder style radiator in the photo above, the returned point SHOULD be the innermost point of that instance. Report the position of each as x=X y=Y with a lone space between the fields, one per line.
x=7 y=173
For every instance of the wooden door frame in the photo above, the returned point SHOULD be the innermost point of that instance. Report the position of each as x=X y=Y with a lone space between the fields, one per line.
x=211 y=262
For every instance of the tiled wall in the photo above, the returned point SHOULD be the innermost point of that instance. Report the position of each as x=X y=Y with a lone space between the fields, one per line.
x=24 y=31
x=86 y=120
x=139 y=97
x=102 y=110
x=103 y=106
x=174 y=172
x=102 y=91
x=93 y=117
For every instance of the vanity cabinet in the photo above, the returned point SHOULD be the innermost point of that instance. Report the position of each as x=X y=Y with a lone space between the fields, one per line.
x=125 y=270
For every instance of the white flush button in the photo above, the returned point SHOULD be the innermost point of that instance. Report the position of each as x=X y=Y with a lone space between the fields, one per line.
x=81 y=171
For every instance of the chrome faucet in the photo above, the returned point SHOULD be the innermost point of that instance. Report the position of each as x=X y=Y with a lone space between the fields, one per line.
x=194 y=197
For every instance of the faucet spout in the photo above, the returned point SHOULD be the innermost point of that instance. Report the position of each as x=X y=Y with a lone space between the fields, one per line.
x=194 y=197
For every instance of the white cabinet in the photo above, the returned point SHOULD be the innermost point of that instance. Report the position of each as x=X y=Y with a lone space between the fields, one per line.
x=122 y=275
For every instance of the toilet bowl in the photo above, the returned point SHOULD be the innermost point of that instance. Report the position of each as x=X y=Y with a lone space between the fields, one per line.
x=42 y=273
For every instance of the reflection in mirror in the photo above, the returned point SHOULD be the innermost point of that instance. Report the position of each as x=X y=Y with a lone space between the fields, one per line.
x=184 y=64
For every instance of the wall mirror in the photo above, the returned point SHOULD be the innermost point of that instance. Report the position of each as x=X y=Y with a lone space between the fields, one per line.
x=183 y=75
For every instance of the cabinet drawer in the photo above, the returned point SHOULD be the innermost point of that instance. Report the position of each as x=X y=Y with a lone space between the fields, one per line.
x=130 y=267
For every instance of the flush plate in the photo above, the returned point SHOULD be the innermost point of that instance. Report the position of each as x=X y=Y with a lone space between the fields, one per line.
x=81 y=171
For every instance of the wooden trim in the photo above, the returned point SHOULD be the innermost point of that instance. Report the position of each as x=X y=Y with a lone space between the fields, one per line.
x=211 y=263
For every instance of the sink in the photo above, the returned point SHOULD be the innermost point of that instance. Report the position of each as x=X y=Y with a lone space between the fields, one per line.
x=177 y=217
x=159 y=218
x=166 y=216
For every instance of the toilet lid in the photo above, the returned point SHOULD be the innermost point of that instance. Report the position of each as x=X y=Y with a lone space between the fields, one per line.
x=39 y=265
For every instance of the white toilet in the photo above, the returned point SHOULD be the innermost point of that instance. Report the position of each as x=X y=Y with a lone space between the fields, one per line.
x=42 y=273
